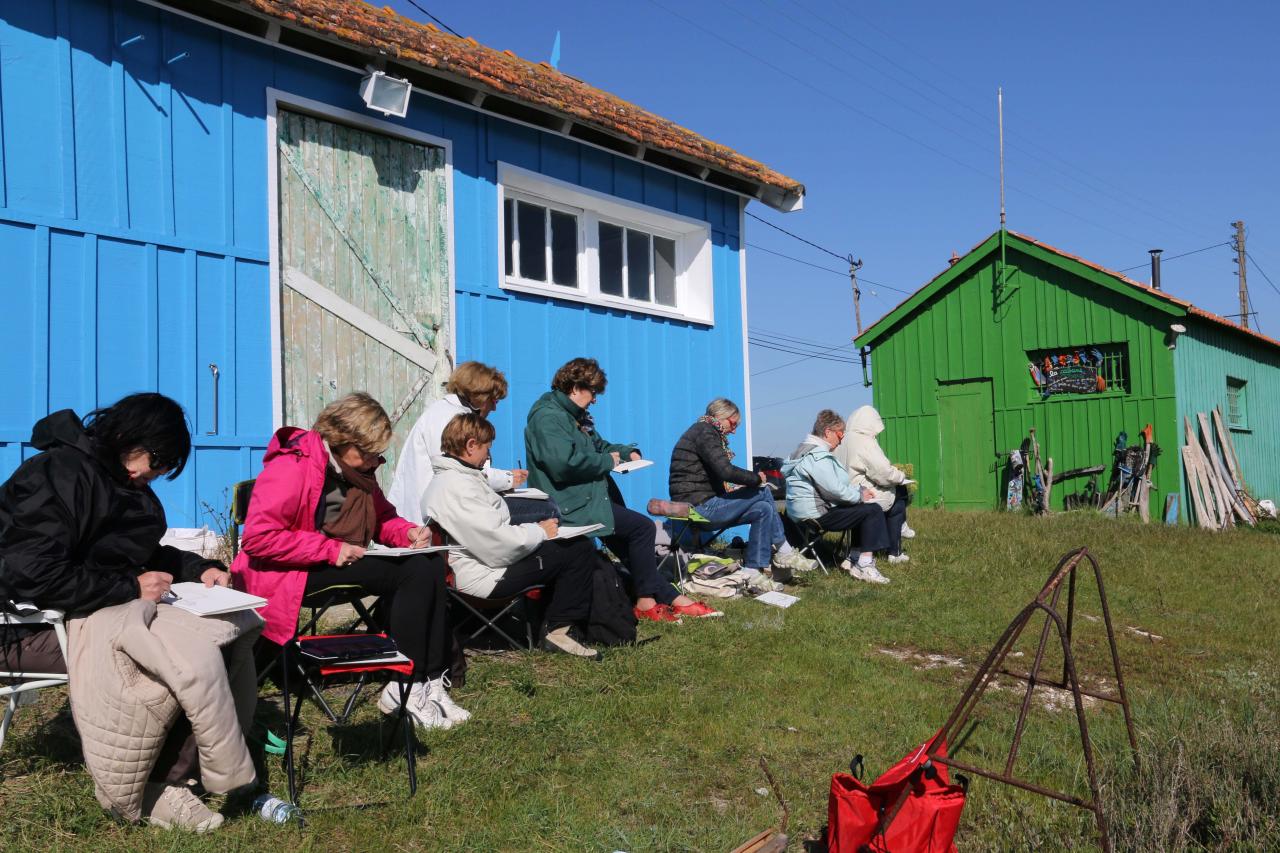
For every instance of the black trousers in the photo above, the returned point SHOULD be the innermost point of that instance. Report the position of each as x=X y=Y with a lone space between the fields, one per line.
x=38 y=651
x=633 y=543
x=563 y=564
x=417 y=614
x=867 y=520
x=896 y=516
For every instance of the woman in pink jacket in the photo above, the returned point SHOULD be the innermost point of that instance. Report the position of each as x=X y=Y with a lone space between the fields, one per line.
x=315 y=507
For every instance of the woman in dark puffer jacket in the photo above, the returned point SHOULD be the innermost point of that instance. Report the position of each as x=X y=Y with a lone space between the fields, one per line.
x=80 y=530
x=703 y=474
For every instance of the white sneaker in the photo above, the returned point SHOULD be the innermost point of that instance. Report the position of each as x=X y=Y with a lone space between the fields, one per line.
x=426 y=713
x=795 y=561
x=907 y=532
x=437 y=691
x=864 y=572
x=899 y=558
x=176 y=807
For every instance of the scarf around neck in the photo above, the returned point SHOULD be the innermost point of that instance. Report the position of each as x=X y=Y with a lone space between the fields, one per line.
x=357 y=520
x=724 y=436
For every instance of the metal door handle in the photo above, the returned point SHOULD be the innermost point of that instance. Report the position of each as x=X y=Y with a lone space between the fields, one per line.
x=213 y=368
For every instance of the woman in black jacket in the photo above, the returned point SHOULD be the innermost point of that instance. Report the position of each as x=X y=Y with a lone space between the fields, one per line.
x=80 y=530
x=703 y=474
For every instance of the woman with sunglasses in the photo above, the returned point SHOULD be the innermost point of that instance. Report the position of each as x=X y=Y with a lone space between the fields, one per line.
x=571 y=462
x=80 y=531
x=314 y=510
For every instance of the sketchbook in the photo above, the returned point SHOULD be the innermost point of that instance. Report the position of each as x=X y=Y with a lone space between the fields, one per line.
x=532 y=494
x=388 y=551
x=777 y=599
x=210 y=600
x=635 y=465
x=583 y=530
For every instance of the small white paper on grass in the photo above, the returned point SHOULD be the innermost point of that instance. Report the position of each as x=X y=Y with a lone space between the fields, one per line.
x=777 y=599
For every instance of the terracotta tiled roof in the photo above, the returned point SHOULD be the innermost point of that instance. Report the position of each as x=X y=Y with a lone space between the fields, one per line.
x=382 y=30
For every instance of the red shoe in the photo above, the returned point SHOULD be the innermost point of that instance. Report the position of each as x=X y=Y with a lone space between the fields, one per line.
x=696 y=610
x=657 y=613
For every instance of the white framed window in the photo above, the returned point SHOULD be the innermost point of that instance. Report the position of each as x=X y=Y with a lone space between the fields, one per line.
x=564 y=241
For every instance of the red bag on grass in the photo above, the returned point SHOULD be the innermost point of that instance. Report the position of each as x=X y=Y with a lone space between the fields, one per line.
x=926 y=823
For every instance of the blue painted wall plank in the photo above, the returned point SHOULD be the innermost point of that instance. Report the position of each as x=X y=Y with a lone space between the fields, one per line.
x=17 y=394
x=157 y=265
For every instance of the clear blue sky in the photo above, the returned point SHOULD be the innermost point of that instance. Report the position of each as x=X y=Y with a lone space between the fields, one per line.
x=1128 y=126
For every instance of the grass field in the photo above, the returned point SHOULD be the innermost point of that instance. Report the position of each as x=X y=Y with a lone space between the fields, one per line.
x=656 y=748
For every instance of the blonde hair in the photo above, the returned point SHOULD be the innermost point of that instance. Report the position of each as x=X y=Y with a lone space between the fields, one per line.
x=356 y=419
x=722 y=408
x=479 y=384
x=826 y=420
x=464 y=428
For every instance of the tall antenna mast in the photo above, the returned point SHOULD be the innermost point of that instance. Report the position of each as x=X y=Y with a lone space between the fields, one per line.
x=1000 y=121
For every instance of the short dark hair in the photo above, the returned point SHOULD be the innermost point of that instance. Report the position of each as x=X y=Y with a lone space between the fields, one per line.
x=580 y=373
x=463 y=428
x=151 y=422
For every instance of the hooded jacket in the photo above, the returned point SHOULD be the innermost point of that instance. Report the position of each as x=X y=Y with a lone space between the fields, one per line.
x=700 y=467
x=73 y=535
x=280 y=540
x=570 y=463
x=474 y=516
x=408 y=492
x=816 y=481
x=862 y=457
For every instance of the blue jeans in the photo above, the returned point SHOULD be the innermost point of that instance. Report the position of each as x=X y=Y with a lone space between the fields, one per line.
x=753 y=506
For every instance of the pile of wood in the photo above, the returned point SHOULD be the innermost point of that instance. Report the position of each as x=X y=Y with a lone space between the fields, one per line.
x=1215 y=483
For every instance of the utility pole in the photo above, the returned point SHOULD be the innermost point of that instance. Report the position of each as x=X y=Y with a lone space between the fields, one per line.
x=1238 y=244
x=854 y=266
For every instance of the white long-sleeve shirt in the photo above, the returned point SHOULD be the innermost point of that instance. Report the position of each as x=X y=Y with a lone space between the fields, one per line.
x=413 y=471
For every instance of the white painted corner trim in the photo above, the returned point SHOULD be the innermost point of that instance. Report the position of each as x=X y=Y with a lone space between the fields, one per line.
x=373 y=327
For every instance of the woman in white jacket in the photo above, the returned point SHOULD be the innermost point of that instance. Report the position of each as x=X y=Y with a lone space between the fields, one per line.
x=868 y=466
x=499 y=558
x=473 y=387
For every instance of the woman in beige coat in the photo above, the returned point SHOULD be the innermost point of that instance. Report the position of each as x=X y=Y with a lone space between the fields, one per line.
x=868 y=466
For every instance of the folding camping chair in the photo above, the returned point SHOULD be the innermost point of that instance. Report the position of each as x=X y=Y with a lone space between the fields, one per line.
x=316 y=674
x=26 y=685
x=811 y=535
x=484 y=615
x=684 y=519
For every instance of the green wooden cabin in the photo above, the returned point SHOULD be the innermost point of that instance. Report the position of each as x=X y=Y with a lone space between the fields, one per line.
x=950 y=374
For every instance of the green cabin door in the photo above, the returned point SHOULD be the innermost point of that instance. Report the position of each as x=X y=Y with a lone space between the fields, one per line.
x=966 y=444
x=364 y=271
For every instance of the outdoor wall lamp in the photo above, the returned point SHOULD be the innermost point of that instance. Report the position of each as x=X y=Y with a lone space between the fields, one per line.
x=387 y=95
x=1171 y=338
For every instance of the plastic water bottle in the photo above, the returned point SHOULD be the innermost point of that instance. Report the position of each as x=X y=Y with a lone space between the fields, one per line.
x=275 y=810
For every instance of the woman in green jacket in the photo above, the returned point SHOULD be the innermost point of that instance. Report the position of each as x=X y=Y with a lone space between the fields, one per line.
x=571 y=462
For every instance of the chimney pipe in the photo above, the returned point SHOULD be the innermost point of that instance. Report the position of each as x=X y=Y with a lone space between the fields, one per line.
x=1155 y=268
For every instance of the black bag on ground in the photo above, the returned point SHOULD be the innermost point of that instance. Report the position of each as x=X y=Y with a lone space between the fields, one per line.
x=613 y=619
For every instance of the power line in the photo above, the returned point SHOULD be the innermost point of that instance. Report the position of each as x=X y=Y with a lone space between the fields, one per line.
x=765 y=333
x=1263 y=274
x=415 y=5
x=805 y=356
x=1183 y=255
x=805 y=396
x=841 y=273
x=793 y=236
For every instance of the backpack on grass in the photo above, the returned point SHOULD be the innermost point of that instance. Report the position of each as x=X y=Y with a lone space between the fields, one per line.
x=613 y=620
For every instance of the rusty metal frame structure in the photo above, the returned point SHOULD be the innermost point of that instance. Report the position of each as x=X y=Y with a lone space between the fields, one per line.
x=1046 y=602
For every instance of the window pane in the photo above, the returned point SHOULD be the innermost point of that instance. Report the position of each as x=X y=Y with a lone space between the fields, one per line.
x=509 y=228
x=610 y=259
x=664 y=271
x=638 y=265
x=564 y=248
x=533 y=241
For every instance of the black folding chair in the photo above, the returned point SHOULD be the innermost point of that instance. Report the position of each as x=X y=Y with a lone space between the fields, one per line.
x=481 y=616
x=317 y=674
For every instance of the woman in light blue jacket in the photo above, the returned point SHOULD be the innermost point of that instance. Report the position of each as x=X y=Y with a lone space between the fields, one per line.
x=818 y=489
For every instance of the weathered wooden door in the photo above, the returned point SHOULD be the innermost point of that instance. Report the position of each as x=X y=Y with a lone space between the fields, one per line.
x=966 y=429
x=365 y=302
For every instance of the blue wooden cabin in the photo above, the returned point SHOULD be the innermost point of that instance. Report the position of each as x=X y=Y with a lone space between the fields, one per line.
x=220 y=200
